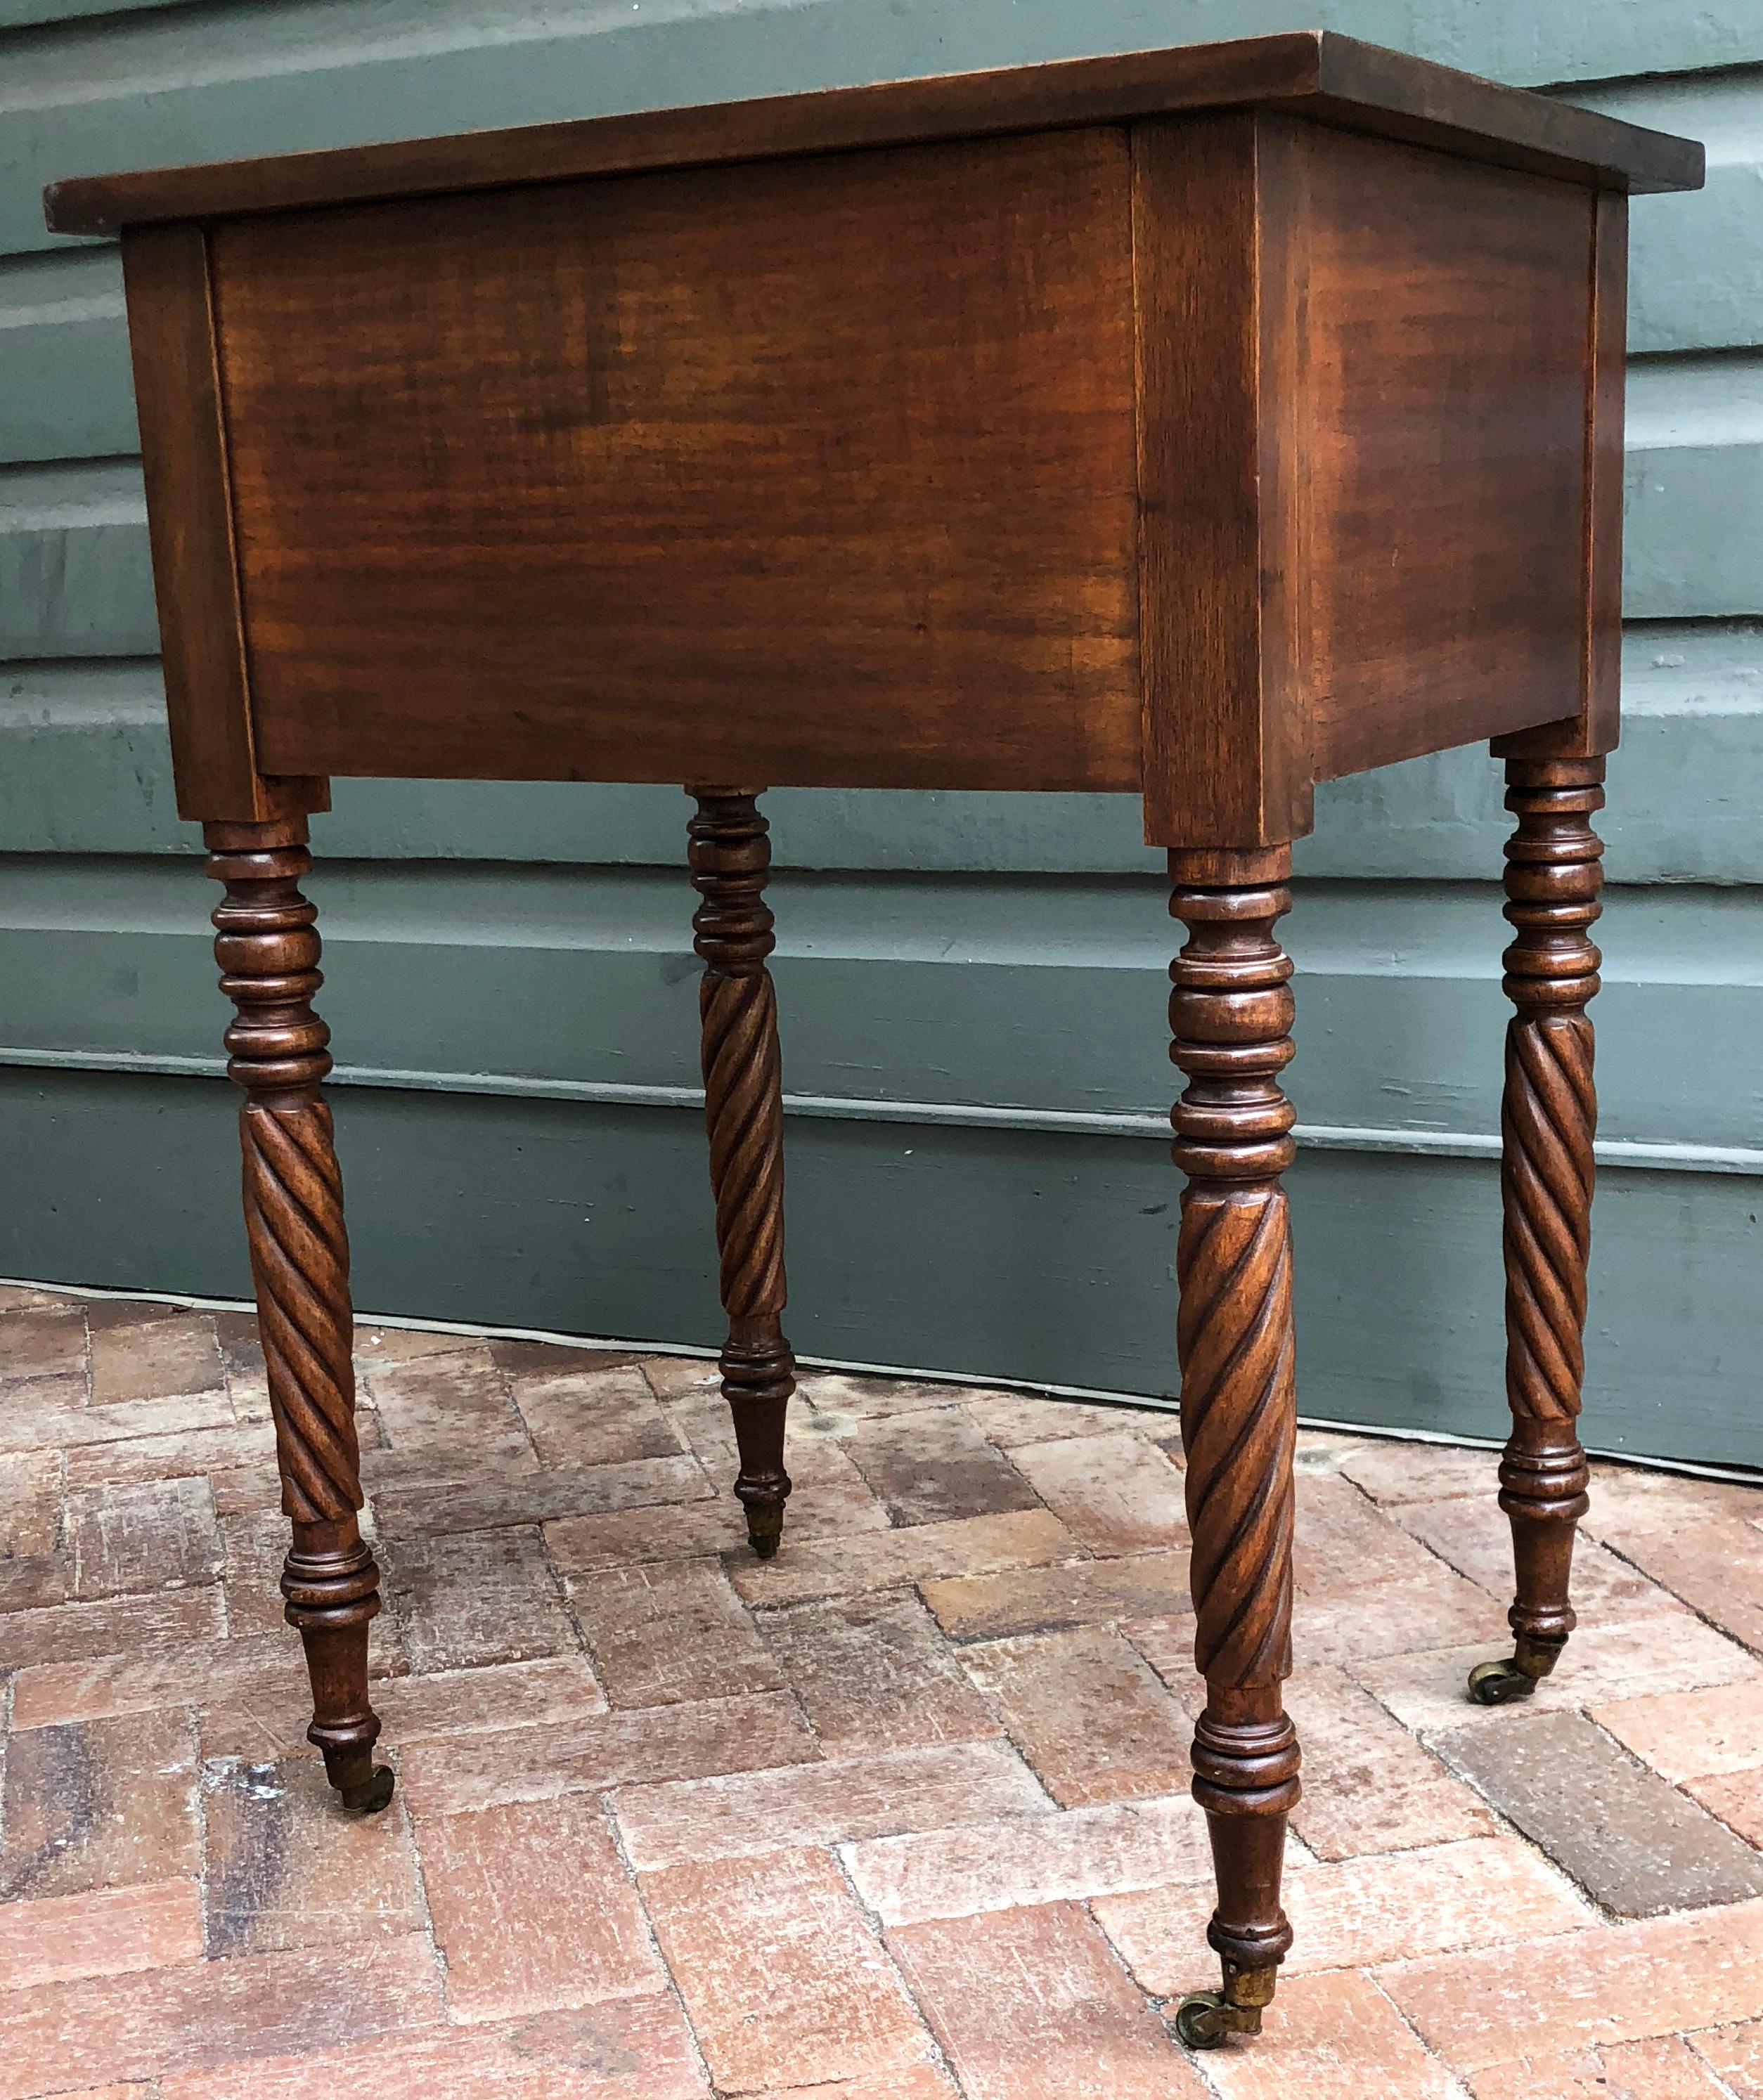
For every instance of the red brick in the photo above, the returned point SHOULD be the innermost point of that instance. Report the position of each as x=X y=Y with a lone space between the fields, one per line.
x=634 y=2048
x=1345 y=1542
x=873 y=1673
x=30 y=1503
x=1030 y=2004
x=1715 y=1565
x=32 y=1585
x=165 y=1440
x=259 y=1729
x=70 y=1634
x=99 y=1804
x=1392 y=1471
x=1369 y=1786
x=1011 y=1419
x=1736 y=2054
x=1664 y=2070
x=1475 y=1538
x=475 y=1598
x=108 y=1684
x=523 y=1497
x=1618 y=1983
x=1355 y=1913
x=444 y=1416
x=886 y=1559
x=670 y=1630
x=253 y=1545
x=784 y=1983
x=280 y=1856
x=1634 y=1842
x=591 y=1417
x=533 y=1911
x=47 y=1341
x=934 y=1466
x=846 y=1398
x=105 y=1932
x=1332 y=2038
x=1691 y=1735
x=1076 y=1854
x=636 y=1748
x=1630 y=1501
x=738 y=1813
x=1115 y=1493
x=1094 y=1722
x=679 y=1377
x=205 y=2013
x=1079 y=1593
x=919 y=2081
x=1736 y=1798
x=154 y=1359
x=378 y=1345
x=1425 y=1690
x=147 y=1536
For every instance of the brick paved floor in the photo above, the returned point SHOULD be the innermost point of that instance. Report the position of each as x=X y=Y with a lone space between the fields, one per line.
x=899 y=1816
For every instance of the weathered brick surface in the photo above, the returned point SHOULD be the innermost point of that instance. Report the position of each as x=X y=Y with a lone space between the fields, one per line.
x=1635 y=1843
x=947 y=1718
x=1030 y=2004
x=782 y=1979
x=1093 y=1721
x=532 y=1910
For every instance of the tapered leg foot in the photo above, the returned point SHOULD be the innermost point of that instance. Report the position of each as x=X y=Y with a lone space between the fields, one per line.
x=1548 y=1120
x=1230 y=1014
x=744 y=1112
x=268 y=948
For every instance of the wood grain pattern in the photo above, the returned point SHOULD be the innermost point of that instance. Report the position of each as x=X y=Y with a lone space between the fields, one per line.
x=1333 y=77
x=1596 y=727
x=1445 y=326
x=189 y=518
x=723 y=475
x=1217 y=243
x=744 y=1115
x=267 y=947
x=1230 y=1015
x=1548 y=1118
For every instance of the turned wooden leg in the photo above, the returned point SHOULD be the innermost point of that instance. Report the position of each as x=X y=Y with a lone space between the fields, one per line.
x=1548 y=1116
x=1231 y=1016
x=268 y=948
x=743 y=1109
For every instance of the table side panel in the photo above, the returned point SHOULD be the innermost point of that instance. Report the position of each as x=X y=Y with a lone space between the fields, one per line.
x=818 y=474
x=1444 y=345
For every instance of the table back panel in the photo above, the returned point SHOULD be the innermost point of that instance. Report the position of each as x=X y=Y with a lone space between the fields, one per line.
x=803 y=473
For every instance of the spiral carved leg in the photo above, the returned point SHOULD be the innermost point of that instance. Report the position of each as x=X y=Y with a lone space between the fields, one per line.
x=730 y=856
x=1548 y=1116
x=1231 y=1016
x=267 y=945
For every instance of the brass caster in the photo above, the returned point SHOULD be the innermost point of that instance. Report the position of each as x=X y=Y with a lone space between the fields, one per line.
x=765 y=1529
x=1206 y=2019
x=1497 y=1683
x=369 y=1795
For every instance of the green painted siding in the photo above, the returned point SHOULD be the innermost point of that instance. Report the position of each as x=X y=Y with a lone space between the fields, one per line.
x=972 y=986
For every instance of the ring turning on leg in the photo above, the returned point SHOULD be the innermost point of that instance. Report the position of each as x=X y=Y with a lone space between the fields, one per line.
x=1231 y=1016
x=267 y=947
x=730 y=856
x=1548 y=1116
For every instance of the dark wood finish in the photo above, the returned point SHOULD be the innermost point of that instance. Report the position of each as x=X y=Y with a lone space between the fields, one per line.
x=268 y=946
x=1594 y=729
x=1231 y=1019
x=1217 y=243
x=1313 y=72
x=189 y=516
x=843 y=469
x=731 y=855
x=1549 y=1117
x=1446 y=318
x=1197 y=423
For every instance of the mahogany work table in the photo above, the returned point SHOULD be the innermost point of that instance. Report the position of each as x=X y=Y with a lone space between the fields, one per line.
x=1196 y=425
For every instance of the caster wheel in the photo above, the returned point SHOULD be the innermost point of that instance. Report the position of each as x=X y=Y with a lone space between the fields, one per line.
x=371 y=1794
x=765 y=1530
x=1498 y=1684
x=1203 y=2020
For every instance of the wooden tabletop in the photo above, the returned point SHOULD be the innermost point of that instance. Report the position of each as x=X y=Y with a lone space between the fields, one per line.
x=1314 y=73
